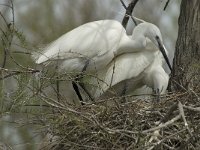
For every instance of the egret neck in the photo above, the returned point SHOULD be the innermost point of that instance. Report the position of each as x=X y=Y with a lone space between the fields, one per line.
x=129 y=45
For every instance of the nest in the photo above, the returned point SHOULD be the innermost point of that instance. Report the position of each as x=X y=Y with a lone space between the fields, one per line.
x=173 y=123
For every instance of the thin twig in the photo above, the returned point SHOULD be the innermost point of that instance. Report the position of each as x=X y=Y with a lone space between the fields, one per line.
x=166 y=5
x=128 y=13
x=4 y=19
x=169 y=113
x=6 y=5
x=195 y=94
x=163 y=125
x=192 y=108
x=16 y=72
x=123 y=4
x=180 y=106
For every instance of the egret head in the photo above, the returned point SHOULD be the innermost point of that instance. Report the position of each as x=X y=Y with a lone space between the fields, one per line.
x=153 y=33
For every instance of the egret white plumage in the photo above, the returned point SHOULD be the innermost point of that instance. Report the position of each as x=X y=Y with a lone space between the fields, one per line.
x=131 y=71
x=92 y=46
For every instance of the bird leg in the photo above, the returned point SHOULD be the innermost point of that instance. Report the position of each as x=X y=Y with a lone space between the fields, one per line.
x=124 y=92
x=76 y=89
x=77 y=82
x=82 y=85
x=157 y=93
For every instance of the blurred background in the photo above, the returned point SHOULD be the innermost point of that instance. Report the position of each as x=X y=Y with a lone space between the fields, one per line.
x=39 y=22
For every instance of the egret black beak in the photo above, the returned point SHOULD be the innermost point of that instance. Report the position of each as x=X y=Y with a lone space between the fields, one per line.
x=163 y=51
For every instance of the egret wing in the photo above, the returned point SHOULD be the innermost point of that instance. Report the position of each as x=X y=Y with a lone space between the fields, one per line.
x=89 y=40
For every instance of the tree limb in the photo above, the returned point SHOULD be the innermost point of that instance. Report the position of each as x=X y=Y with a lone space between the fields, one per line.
x=128 y=13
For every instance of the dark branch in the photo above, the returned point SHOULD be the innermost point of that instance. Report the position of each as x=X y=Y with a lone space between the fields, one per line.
x=129 y=11
x=123 y=4
x=166 y=5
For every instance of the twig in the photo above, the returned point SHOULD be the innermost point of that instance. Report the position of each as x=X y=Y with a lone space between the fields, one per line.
x=180 y=85
x=123 y=4
x=6 y=5
x=180 y=106
x=163 y=125
x=4 y=19
x=16 y=72
x=166 y=5
x=21 y=52
x=195 y=94
x=192 y=108
x=169 y=113
x=128 y=13
x=58 y=105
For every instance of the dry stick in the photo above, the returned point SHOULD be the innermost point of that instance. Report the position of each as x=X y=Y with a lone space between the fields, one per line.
x=180 y=106
x=195 y=94
x=192 y=108
x=21 y=52
x=59 y=106
x=163 y=125
x=92 y=119
x=180 y=85
x=169 y=113
x=190 y=90
x=167 y=137
x=129 y=11
x=16 y=72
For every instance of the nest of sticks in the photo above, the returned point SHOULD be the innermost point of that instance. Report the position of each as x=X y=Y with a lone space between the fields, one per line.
x=173 y=123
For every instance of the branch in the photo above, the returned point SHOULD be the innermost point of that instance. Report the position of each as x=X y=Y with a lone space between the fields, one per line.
x=192 y=108
x=163 y=125
x=169 y=113
x=180 y=106
x=128 y=13
x=166 y=5
x=16 y=72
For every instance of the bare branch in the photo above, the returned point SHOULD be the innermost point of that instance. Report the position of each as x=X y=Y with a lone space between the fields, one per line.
x=129 y=11
x=163 y=125
x=169 y=113
x=16 y=72
x=166 y=5
x=180 y=106
x=192 y=108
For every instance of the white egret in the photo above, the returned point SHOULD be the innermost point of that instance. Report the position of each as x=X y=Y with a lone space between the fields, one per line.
x=92 y=46
x=132 y=71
